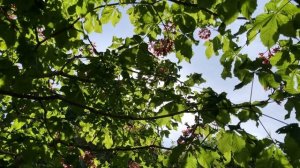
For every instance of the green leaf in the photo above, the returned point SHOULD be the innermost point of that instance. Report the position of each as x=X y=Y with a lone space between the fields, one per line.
x=108 y=141
x=260 y=21
x=217 y=45
x=116 y=17
x=292 y=83
x=286 y=25
x=242 y=157
x=248 y=7
x=209 y=51
x=292 y=148
x=229 y=11
x=2 y=82
x=107 y=13
x=81 y=10
x=206 y=158
x=244 y=115
x=17 y=124
x=227 y=60
x=272 y=157
x=291 y=144
x=176 y=153
x=193 y=79
x=186 y=23
x=111 y=13
x=230 y=142
x=183 y=47
x=246 y=79
x=293 y=103
x=269 y=32
x=267 y=80
x=2 y=45
x=191 y=161
x=92 y=23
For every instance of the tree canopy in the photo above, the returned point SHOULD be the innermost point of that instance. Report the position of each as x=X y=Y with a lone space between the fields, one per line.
x=65 y=104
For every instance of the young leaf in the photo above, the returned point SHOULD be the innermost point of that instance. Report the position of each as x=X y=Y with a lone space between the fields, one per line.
x=108 y=141
x=209 y=49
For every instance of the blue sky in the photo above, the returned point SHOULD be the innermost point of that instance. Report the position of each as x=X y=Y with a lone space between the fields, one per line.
x=211 y=70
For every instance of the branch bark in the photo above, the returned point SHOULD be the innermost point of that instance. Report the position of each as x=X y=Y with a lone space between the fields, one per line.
x=109 y=114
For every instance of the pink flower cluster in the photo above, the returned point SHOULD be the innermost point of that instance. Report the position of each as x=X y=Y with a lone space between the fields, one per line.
x=161 y=47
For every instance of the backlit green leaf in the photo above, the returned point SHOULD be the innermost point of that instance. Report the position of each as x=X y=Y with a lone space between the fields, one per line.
x=269 y=32
x=229 y=141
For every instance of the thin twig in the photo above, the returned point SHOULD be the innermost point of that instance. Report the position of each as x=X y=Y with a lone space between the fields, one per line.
x=194 y=5
x=266 y=130
x=7 y=153
x=275 y=119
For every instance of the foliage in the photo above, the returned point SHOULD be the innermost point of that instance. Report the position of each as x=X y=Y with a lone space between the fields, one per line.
x=65 y=104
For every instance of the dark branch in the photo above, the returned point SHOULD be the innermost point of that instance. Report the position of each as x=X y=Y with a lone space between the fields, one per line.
x=26 y=96
x=60 y=73
x=118 y=116
x=194 y=5
x=91 y=109
x=128 y=148
x=7 y=153
x=136 y=148
x=125 y=3
x=107 y=114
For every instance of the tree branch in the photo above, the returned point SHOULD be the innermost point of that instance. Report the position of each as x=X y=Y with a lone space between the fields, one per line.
x=90 y=109
x=60 y=73
x=136 y=148
x=26 y=96
x=128 y=148
x=194 y=5
x=126 y=3
x=7 y=153
x=107 y=114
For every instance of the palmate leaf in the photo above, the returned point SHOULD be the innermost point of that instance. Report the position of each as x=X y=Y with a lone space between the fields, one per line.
x=260 y=21
x=230 y=142
x=269 y=32
x=111 y=14
x=92 y=24
x=206 y=158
